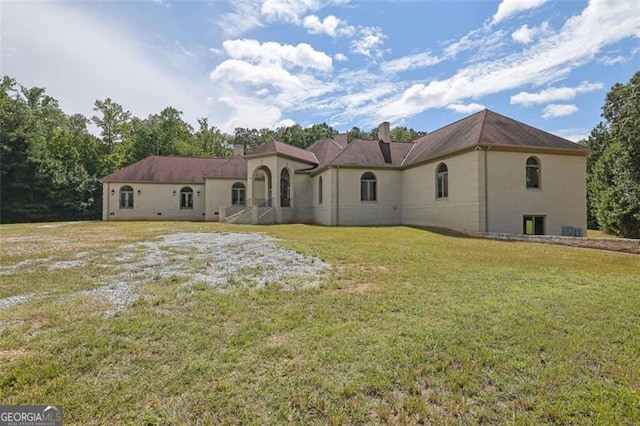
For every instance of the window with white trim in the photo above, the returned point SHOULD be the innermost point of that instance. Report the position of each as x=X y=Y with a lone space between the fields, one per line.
x=368 y=188
x=442 y=181
x=533 y=172
x=238 y=194
x=186 y=198
x=126 y=197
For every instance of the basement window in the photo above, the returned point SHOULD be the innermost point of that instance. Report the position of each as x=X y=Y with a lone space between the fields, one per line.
x=533 y=225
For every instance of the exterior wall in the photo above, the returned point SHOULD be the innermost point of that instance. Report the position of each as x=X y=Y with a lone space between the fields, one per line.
x=386 y=210
x=155 y=202
x=325 y=212
x=462 y=210
x=561 y=197
x=218 y=193
x=259 y=190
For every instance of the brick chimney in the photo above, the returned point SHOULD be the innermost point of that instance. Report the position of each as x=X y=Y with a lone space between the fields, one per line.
x=384 y=132
x=238 y=149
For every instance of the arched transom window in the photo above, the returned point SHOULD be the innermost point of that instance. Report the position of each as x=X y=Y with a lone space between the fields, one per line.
x=442 y=181
x=186 y=198
x=368 y=190
x=533 y=172
x=238 y=194
x=126 y=197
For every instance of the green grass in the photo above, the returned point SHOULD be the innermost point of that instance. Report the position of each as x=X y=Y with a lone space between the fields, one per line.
x=411 y=326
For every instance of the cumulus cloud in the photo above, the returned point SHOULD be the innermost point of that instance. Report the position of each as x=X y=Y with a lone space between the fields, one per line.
x=553 y=94
x=511 y=7
x=288 y=10
x=330 y=25
x=302 y=55
x=576 y=43
x=526 y=35
x=558 y=110
x=369 y=41
x=419 y=60
x=466 y=109
x=340 y=57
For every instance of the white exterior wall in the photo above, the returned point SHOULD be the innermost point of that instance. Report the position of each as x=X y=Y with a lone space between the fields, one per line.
x=462 y=210
x=155 y=202
x=218 y=193
x=561 y=198
x=297 y=183
x=324 y=213
x=386 y=210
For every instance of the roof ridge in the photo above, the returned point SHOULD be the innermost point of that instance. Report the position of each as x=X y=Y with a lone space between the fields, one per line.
x=484 y=120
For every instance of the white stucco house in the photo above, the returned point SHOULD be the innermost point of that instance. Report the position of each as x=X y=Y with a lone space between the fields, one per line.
x=484 y=173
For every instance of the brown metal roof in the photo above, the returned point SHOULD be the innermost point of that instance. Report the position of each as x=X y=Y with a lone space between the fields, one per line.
x=166 y=169
x=371 y=153
x=275 y=147
x=325 y=149
x=486 y=128
x=235 y=168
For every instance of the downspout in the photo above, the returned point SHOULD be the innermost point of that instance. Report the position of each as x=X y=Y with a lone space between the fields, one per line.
x=486 y=191
x=337 y=195
x=108 y=202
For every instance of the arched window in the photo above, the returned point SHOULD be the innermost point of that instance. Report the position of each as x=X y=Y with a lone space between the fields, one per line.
x=238 y=194
x=126 y=197
x=186 y=198
x=320 y=194
x=533 y=172
x=368 y=187
x=442 y=189
x=285 y=188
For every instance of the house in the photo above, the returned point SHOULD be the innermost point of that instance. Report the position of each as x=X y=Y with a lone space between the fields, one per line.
x=484 y=173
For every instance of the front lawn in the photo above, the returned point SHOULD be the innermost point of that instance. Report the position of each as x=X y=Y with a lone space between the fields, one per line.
x=407 y=326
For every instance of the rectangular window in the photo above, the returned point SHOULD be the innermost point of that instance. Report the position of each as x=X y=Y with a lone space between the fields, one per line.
x=186 y=200
x=533 y=225
x=368 y=190
x=443 y=185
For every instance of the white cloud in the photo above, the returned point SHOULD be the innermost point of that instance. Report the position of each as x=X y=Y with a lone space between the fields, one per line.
x=255 y=75
x=511 y=7
x=558 y=110
x=330 y=25
x=553 y=94
x=419 y=60
x=466 y=109
x=526 y=35
x=302 y=55
x=369 y=42
x=288 y=10
x=80 y=58
x=553 y=57
x=340 y=57
x=246 y=16
x=574 y=135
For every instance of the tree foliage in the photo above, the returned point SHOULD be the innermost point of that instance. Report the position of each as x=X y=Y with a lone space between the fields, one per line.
x=614 y=168
x=51 y=165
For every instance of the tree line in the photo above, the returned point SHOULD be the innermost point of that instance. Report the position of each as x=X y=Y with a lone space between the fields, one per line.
x=51 y=164
x=613 y=170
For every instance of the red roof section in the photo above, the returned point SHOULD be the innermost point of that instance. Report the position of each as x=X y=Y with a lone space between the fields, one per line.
x=275 y=147
x=371 y=153
x=485 y=128
x=166 y=169
x=234 y=168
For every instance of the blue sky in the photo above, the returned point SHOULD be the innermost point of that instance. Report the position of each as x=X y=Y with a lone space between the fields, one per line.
x=267 y=63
